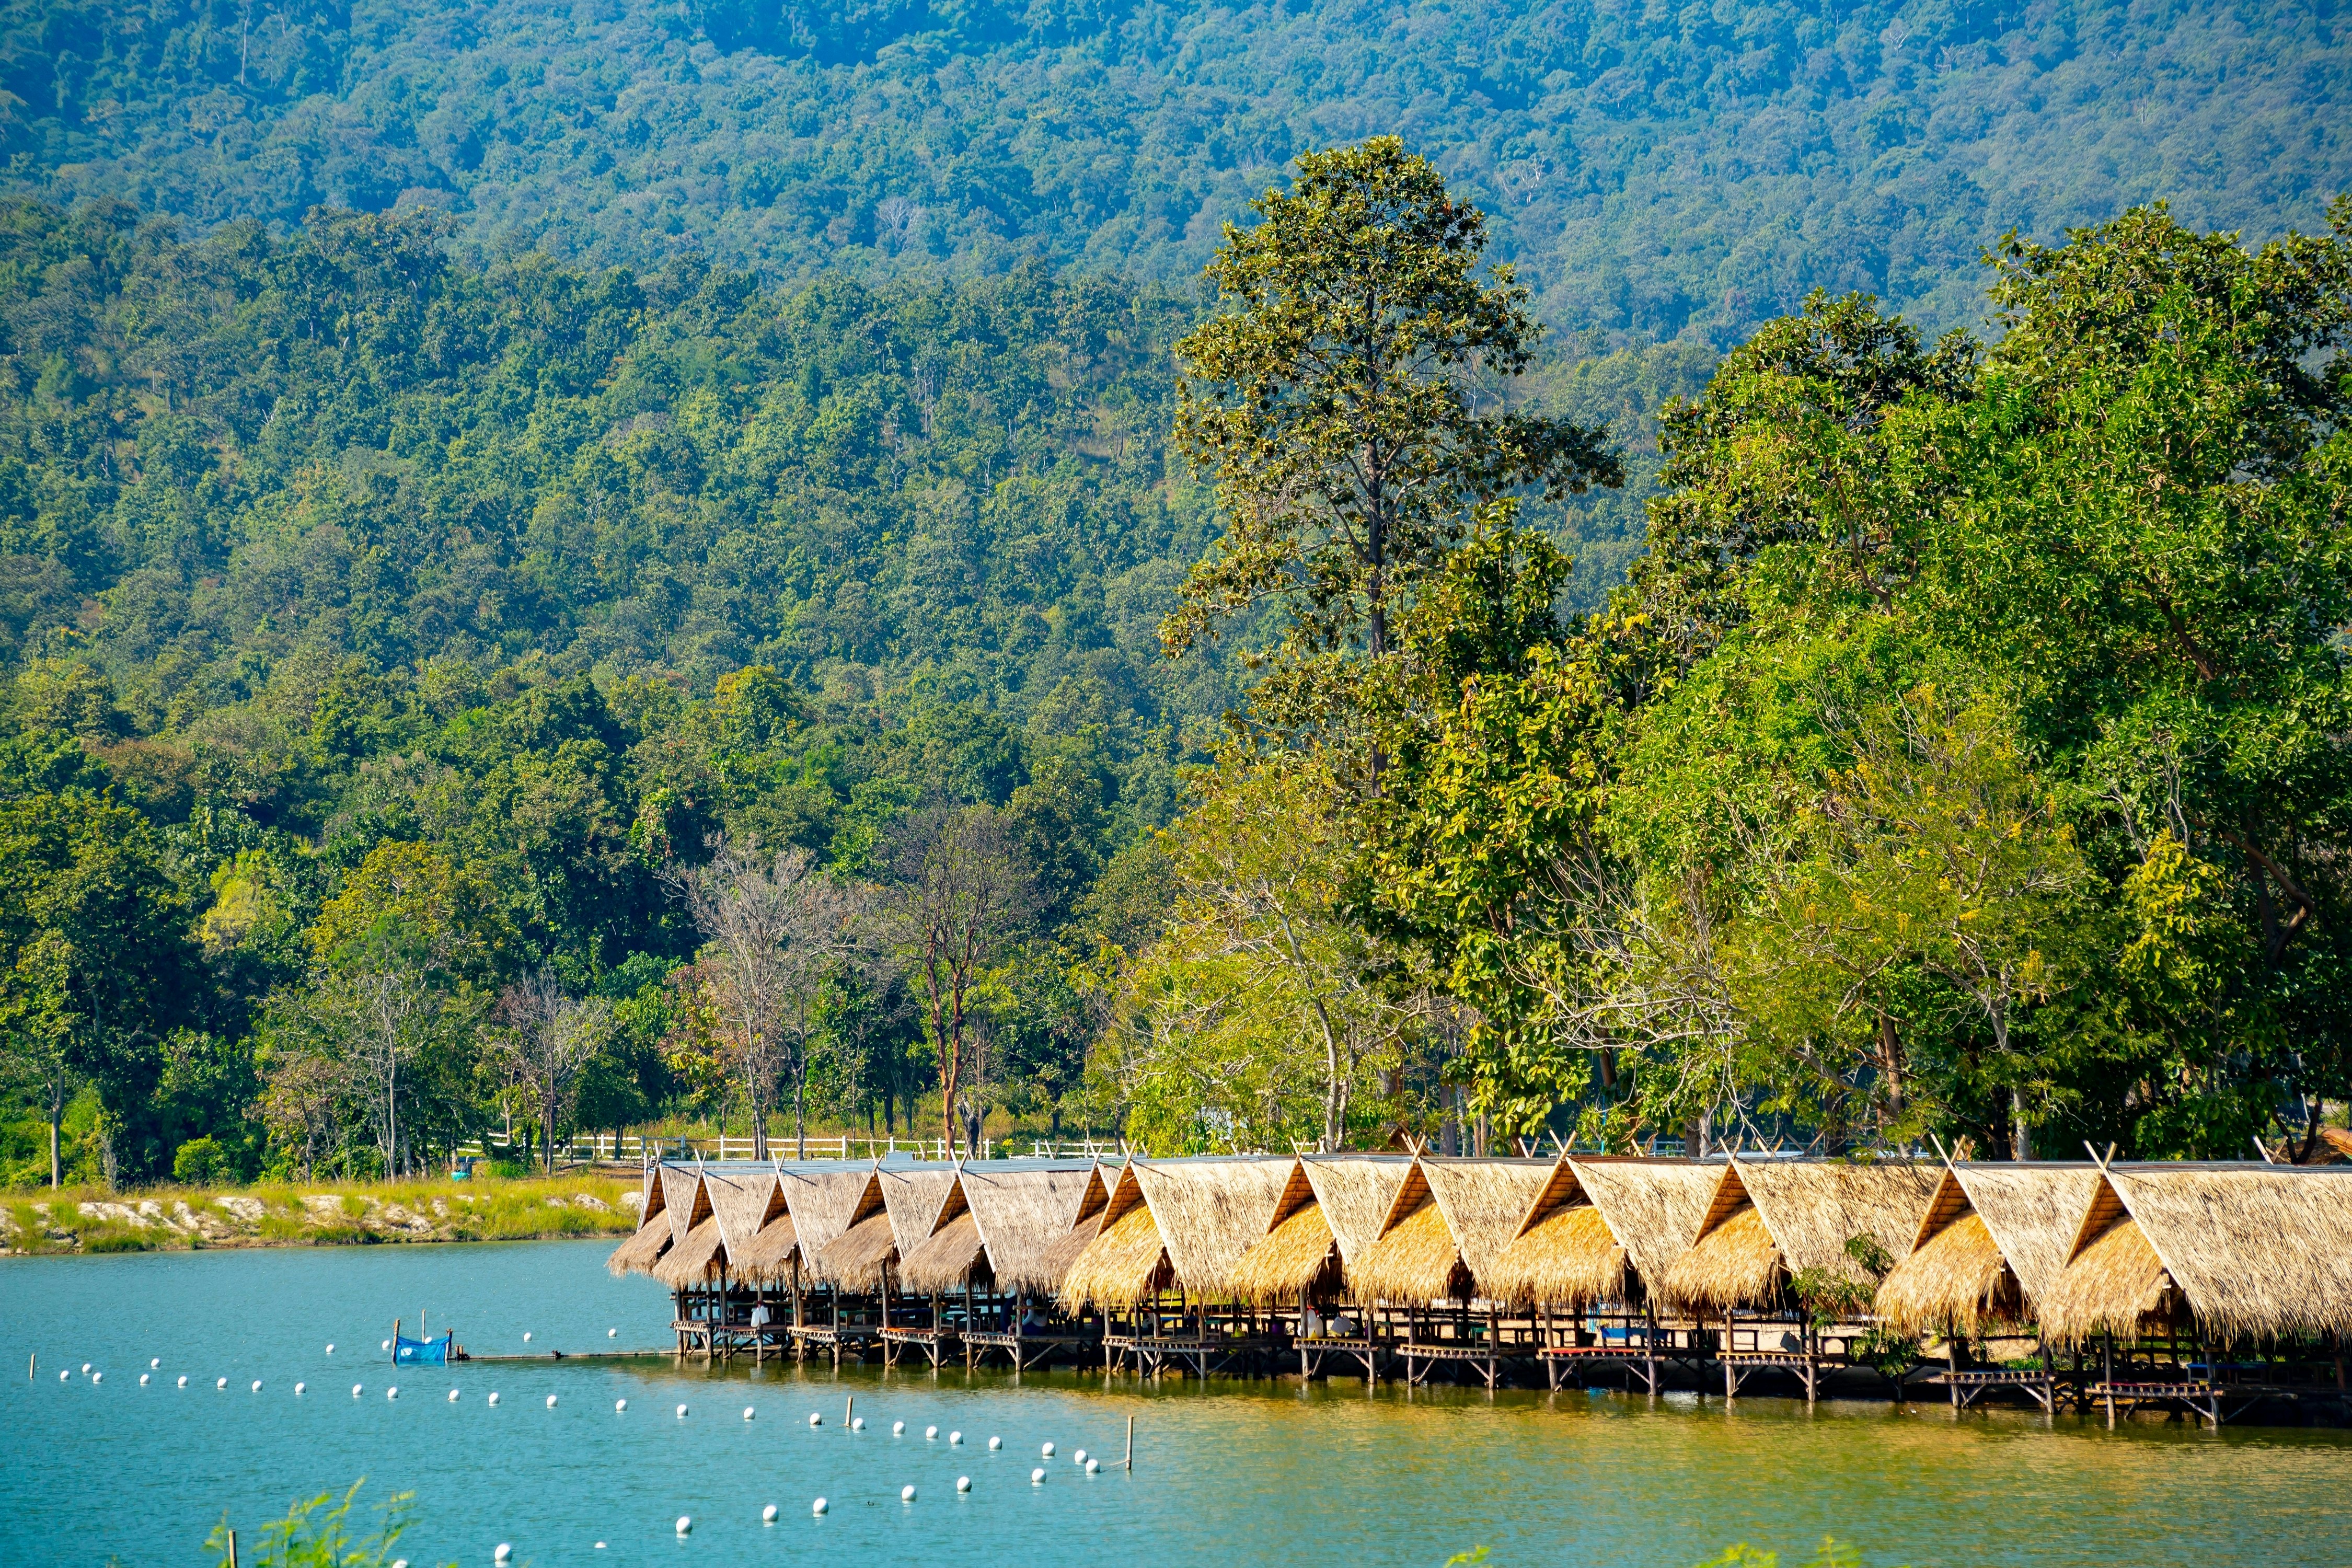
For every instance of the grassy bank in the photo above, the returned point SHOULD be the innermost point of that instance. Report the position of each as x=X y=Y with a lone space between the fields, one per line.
x=318 y=1213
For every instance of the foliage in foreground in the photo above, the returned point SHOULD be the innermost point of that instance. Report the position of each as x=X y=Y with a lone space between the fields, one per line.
x=316 y=1534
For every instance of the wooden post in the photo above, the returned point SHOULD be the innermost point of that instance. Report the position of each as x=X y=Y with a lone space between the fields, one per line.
x=1952 y=1366
x=232 y=1549
x=1130 y=1443
x=2107 y=1358
x=1730 y=1387
x=849 y=1411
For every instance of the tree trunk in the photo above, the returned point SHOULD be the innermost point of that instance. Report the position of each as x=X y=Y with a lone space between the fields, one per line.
x=2021 y=1136
x=55 y=1170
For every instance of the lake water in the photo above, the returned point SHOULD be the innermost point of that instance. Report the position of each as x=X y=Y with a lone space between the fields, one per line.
x=1227 y=1473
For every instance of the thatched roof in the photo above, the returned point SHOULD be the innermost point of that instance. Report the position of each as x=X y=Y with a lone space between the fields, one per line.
x=2252 y=1251
x=2033 y=1212
x=1736 y=1263
x=683 y=1199
x=949 y=1257
x=825 y=1205
x=699 y=1257
x=649 y=1193
x=913 y=1199
x=1564 y=1254
x=767 y=1257
x=1814 y=1208
x=1021 y=1213
x=1124 y=1264
x=859 y=1258
x=1297 y=1258
x=1209 y=1212
x=1485 y=1202
x=1956 y=1282
x=1415 y=1259
x=742 y=1203
x=642 y=1250
x=1355 y=1193
x=1653 y=1207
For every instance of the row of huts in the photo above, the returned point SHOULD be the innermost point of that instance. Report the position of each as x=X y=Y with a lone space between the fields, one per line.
x=1407 y=1263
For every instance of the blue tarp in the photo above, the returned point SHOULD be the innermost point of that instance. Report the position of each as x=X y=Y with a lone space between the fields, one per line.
x=422 y=1353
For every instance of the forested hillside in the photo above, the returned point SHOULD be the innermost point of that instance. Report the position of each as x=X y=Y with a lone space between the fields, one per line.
x=1651 y=168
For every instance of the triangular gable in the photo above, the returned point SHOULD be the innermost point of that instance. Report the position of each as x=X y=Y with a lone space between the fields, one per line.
x=1950 y=1202
x=1409 y=1196
x=1730 y=1196
x=649 y=1193
x=2104 y=1209
x=1296 y=1194
x=1356 y=1193
x=1097 y=1196
x=1562 y=1188
x=1483 y=1202
x=1125 y=1194
x=683 y=1200
x=742 y=1203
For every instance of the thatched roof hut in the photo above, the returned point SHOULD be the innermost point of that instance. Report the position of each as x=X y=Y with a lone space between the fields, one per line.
x=1054 y=1264
x=683 y=1199
x=913 y=1199
x=1182 y=1222
x=1652 y=1205
x=2246 y=1251
x=1772 y=1219
x=1993 y=1244
x=1295 y=1257
x=844 y=1227
x=1564 y=1254
x=701 y=1257
x=1450 y=1219
x=999 y=1225
x=753 y=1223
x=651 y=1237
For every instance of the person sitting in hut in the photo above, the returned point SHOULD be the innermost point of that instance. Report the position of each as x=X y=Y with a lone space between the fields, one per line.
x=1032 y=1322
x=760 y=1315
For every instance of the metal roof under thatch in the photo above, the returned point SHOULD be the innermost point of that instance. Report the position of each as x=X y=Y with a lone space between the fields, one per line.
x=1564 y=1254
x=1021 y=1212
x=683 y=1199
x=1485 y=1201
x=699 y=1259
x=1355 y=1193
x=2253 y=1251
x=1653 y=1207
x=1210 y=1212
x=642 y=1250
x=1124 y=1264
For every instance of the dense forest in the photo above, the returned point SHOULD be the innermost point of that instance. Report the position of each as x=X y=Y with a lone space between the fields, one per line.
x=1651 y=169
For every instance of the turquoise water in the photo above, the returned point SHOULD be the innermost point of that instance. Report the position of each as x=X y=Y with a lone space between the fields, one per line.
x=1235 y=1473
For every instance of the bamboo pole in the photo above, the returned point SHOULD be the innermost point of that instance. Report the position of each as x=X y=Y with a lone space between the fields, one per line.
x=1130 y=1443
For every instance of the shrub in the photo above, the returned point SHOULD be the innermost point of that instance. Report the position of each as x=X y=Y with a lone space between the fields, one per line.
x=202 y=1162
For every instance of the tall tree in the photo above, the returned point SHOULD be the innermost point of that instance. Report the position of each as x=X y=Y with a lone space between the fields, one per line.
x=546 y=1039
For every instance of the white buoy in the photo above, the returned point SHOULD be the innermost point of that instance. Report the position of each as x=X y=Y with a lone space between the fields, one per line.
x=142 y=1380
x=504 y=1554
x=256 y=1385
x=612 y=1333
x=681 y=1412
x=154 y=1361
x=452 y=1396
x=954 y=1440
x=526 y=1338
x=1093 y=1466
x=85 y=1369
x=98 y=1377
x=551 y=1402
x=355 y=1391
x=897 y=1428
x=330 y=1348
x=392 y=1392
x=857 y=1423
x=494 y=1399
x=220 y=1382
x=963 y=1483
x=817 y=1506
x=619 y=1405
x=600 y=1546
x=906 y=1494
x=387 y=1344
x=684 y=1525
x=1079 y=1457
x=994 y=1444
x=183 y=1379
x=815 y=1419
x=65 y=1375
x=299 y=1387
x=1049 y=1450
x=747 y=1413
x=768 y=1515
x=1037 y=1478
x=930 y=1433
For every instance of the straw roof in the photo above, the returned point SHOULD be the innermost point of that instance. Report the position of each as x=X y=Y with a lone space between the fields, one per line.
x=742 y=1203
x=1022 y=1213
x=913 y=1200
x=1814 y=1207
x=642 y=1250
x=1485 y=1202
x=1653 y=1207
x=1210 y=1212
x=2033 y=1212
x=1122 y=1267
x=859 y=1258
x=683 y=1199
x=1415 y=1259
x=2253 y=1251
x=1564 y=1254
x=1735 y=1264
x=700 y=1257
x=825 y=1205
x=1956 y=1282
x=948 y=1257
x=1355 y=1193
x=1298 y=1256
x=767 y=1257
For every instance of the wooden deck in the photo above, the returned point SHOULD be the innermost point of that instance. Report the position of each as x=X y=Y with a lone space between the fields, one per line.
x=1025 y=1351
x=1201 y=1355
x=1966 y=1387
x=932 y=1343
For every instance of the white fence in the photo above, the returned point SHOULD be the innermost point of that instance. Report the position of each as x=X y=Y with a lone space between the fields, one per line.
x=635 y=1149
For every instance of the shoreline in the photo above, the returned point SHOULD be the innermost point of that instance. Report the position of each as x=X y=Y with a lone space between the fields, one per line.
x=579 y=1207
